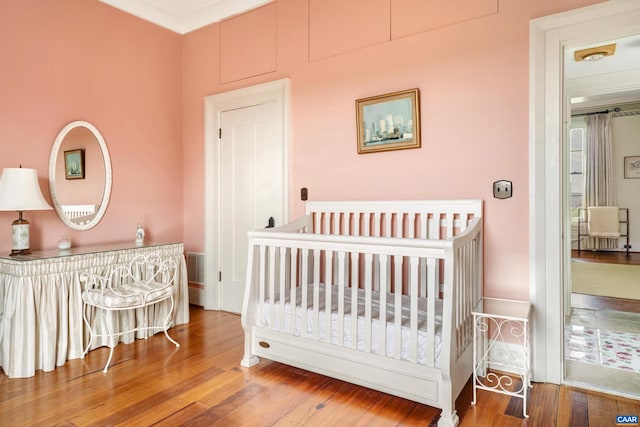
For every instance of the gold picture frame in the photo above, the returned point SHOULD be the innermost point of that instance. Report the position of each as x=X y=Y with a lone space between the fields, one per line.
x=389 y=122
x=74 y=164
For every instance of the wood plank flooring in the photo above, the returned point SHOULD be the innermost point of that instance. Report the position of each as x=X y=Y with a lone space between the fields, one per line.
x=150 y=382
x=610 y=257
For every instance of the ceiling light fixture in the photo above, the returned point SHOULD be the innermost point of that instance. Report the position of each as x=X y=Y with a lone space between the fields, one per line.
x=594 y=57
x=593 y=54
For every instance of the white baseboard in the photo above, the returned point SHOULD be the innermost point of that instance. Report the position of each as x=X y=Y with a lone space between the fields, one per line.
x=195 y=274
x=196 y=296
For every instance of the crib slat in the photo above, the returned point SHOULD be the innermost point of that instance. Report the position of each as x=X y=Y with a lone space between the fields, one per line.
x=271 y=284
x=382 y=317
x=431 y=309
x=282 y=290
x=388 y=216
x=397 y=305
x=293 y=283
x=411 y=227
x=376 y=273
x=459 y=304
x=328 y=278
x=423 y=225
x=423 y=262
x=368 y=265
x=327 y=223
x=376 y=225
x=341 y=280
x=434 y=227
x=316 y=292
x=413 y=282
x=422 y=291
x=261 y=277
x=346 y=229
x=355 y=269
x=366 y=224
x=466 y=259
x=304 y=283
x=449 y=225
x=317 y=223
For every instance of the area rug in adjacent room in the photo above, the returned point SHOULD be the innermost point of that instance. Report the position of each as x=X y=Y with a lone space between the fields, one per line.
x=581 y=344
x=609 y=280
x=611 y=349
x=619 y=350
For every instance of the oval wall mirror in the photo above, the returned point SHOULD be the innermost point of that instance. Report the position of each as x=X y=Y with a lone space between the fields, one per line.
x=80 y=175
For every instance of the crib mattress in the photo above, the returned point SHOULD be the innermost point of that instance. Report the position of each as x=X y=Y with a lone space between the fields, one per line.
x=272 y=318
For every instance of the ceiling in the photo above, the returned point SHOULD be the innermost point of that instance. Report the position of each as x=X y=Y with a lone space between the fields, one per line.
x=183 y=16
x=612 y=80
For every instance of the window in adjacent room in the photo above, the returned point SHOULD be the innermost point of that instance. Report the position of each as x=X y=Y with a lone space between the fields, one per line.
x=577 y=139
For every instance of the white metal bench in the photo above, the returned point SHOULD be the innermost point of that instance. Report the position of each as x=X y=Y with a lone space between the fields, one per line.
x=145 y=281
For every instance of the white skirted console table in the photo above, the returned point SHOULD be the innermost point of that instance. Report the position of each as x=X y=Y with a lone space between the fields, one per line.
x=41 y=323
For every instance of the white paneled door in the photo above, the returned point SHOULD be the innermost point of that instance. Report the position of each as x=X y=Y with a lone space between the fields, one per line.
x=252 y=174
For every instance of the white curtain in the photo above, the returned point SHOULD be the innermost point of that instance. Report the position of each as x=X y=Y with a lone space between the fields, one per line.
x=599 y=174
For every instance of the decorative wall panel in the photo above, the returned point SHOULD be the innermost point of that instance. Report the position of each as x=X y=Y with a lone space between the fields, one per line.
x=405 y=21
x=337 y=26
x=248 y=44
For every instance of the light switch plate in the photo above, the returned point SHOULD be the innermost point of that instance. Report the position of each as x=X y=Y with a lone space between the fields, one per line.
x=502 y=189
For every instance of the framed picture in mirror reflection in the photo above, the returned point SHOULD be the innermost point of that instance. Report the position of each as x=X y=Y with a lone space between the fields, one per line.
x=74 y=164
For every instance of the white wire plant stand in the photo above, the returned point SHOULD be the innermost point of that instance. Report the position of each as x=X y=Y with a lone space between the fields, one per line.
x=501 y=348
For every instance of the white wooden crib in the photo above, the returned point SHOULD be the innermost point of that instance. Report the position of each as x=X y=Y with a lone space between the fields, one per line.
x=421 y=261
x=79 y=214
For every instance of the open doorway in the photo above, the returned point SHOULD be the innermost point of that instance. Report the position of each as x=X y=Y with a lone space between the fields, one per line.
x=602 y=290
x=550 y=247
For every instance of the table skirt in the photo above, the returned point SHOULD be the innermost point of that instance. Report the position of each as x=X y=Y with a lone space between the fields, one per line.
x=41 y=323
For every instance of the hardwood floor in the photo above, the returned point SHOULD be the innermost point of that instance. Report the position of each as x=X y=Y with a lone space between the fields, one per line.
x=150 y=382
x=632 y=258
x=596 y=302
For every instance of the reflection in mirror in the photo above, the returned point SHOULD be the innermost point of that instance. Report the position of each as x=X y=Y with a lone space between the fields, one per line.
x=80 y=175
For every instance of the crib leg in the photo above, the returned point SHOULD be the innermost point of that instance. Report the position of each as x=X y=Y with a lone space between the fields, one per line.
x=249 y=361
x=448 y=419
x=448 y=416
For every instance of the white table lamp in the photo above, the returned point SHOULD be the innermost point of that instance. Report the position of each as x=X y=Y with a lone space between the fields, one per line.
x=20 y=191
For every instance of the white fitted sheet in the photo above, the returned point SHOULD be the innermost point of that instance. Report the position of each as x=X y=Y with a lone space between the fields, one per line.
x=273 y=320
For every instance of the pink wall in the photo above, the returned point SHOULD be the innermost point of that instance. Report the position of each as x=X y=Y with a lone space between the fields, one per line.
x=69 y=60
x=473 y=81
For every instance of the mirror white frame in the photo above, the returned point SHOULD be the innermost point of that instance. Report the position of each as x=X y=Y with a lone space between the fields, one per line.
x=107 y=181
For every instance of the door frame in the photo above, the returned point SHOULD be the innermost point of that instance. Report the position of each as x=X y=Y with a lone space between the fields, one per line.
x=277 y=91
x=547 y=38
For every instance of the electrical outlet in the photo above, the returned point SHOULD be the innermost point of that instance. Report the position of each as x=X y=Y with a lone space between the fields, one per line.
x=304 y=193
x=502 y=189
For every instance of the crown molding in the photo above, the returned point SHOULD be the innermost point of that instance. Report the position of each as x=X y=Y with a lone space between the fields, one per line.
x=184 y=19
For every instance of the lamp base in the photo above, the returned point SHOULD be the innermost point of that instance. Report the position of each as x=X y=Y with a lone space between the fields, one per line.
x=20 y=235
x=18 y=252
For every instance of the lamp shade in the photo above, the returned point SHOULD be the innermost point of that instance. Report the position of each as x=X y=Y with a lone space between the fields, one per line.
x=20 y=191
